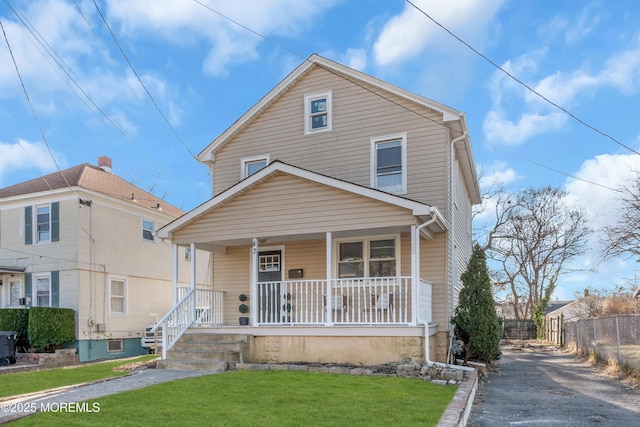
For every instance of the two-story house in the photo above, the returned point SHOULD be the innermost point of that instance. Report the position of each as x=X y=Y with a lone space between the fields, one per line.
x=85 y=239
x=342 y=208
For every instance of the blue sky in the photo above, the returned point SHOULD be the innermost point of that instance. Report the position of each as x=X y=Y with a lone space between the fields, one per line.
x=203 y=71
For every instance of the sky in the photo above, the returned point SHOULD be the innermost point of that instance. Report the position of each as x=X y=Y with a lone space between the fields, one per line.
x=550 y=89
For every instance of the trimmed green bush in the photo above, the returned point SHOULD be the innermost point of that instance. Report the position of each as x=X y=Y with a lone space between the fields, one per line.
x=49 y=327
x=16 y=320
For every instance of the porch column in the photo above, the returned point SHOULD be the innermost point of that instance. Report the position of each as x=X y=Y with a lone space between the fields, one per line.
x=415 y=272
x=193 y=265
x=253 y=295
x=329 y=269
x=174 y=274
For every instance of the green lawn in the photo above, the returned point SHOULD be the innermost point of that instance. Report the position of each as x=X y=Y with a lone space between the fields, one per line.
x=31 y=381
x=266 y=398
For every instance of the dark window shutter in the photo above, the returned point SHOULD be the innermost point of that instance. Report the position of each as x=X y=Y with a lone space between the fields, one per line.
x=28 y=225
x=55 y=221
x=55 y=289
x=27 y=287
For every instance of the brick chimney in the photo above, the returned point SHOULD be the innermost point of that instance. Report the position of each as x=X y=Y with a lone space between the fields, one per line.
x=104 y=163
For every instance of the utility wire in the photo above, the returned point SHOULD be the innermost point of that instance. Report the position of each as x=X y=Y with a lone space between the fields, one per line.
x=62 y=65
x=164 y=117
x=416 y=112
x=35 y=116
x=561 y=173
x=573 y=116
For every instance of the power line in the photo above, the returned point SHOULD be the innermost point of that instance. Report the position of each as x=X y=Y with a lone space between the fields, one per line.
x=35 y=116
x=573 y=116
x=560 y=172
x=164 y=117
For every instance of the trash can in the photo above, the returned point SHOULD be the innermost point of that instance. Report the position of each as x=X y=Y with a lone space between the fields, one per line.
x=8 y=347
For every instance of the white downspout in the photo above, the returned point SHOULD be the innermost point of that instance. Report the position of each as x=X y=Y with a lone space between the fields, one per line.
x=452 y=222
x=434 y=216
x=174 y=274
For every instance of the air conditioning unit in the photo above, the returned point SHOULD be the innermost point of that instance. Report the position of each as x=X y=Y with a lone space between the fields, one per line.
x=101 y=327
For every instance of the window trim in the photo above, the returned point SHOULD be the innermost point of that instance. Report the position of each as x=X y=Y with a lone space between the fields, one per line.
x=124 y=297
x=366 y=249
x=308 y=130
x=153 y=230
x=34 y=285
x=253 y=159
x=36 y=224
x=118 y=341
x=403 y=158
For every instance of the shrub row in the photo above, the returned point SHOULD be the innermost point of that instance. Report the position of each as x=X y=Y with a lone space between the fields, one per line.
x=41 y=328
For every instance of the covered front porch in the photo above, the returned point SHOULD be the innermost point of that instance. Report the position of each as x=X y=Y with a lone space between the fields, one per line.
x=335 y=256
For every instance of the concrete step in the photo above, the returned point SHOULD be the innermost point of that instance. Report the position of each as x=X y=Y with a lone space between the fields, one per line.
x=192 y=365
x=209 y=354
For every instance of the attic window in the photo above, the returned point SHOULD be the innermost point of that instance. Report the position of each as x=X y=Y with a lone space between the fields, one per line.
x=317 y=113
x=251 y=165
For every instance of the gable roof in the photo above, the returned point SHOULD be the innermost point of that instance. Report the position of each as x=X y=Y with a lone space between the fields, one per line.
x=448 y=114
x=417 y=209
x=463 y=145
x=95 y=179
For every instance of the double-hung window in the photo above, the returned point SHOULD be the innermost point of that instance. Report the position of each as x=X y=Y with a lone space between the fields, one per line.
x=317 y=113
x=42 y=223
x=148 y=230
x=374 y=257
x=389 y=163
x=118 y=293
x=251 y=165
x=43 y=290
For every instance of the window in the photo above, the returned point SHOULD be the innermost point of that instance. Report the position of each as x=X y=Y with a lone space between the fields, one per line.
x=43 y=291
x=317 y=113
x=15 y=289
x=114 y=346
x=118 y=292
x=367 y=258
x=270 y=262
x=148 y=232
x=251 y=165
x=42 y=224
x=388 y=163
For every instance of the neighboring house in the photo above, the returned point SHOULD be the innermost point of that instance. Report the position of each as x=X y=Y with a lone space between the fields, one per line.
x=342 y=209
x=85 y=239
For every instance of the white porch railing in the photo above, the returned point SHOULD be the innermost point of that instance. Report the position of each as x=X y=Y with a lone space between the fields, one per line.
x=374 y=300
x=197 y=306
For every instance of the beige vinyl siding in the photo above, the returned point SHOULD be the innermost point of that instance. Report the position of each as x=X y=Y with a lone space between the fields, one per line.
x=359 y=114
x=433 y=258
x=287 y=205
x=232 y=275
x=463 y=238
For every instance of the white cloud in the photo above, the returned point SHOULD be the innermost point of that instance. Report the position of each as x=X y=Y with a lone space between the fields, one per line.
x=497 y=173
x=408 y=34
x=610 y=171
x=566 y=89
x=187 y=22
x=24 y=155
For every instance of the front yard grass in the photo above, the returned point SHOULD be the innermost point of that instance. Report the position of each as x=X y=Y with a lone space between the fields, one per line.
x=266 y=398
x=33 y=381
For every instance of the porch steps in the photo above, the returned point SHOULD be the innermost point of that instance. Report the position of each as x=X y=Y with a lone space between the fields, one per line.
x=199 y=350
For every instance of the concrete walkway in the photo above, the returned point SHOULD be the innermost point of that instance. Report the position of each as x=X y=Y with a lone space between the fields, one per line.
x=24 y=405
x=541 y=386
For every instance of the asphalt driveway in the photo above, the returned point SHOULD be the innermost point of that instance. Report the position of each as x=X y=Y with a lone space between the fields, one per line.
x=541 y=386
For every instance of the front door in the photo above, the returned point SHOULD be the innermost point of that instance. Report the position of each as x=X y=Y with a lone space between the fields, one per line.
x=269 y=278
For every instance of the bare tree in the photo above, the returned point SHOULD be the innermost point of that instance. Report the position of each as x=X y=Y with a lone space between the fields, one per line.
x=535 y=234
x=623 y=237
